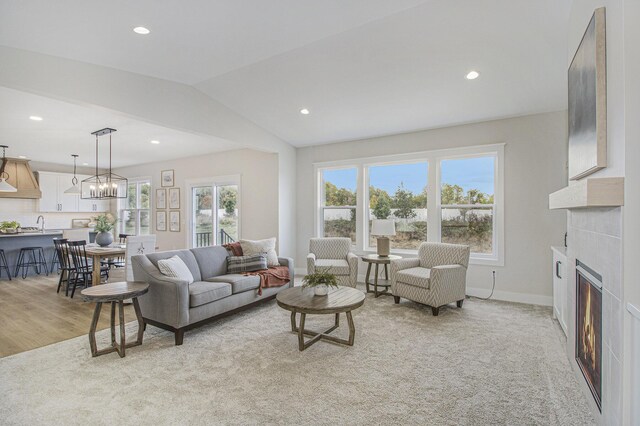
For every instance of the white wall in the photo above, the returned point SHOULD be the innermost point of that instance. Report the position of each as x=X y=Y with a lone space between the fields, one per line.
x=259 y=215
x=535 y=165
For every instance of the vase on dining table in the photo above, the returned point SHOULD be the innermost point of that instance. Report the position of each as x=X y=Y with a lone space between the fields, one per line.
x=104 y=239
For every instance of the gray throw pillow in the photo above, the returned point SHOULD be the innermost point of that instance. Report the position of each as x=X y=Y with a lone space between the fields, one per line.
x=239 y=264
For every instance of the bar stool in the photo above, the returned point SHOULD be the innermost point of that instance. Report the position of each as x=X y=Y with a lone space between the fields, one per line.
x=4 y=264
x=37 y=259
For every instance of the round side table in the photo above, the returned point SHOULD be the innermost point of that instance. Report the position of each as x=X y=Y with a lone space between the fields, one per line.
x=115 y=293
x=374 y=259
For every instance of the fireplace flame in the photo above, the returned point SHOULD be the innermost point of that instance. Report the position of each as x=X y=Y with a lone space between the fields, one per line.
x=588 y=333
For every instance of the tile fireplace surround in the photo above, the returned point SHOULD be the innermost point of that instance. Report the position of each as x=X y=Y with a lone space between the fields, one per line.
x=594 y=238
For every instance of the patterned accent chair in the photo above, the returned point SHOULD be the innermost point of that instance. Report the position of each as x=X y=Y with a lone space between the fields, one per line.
x=436 y=277
x=336 y=254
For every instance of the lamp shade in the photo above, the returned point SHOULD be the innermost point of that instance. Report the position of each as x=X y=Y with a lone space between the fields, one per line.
x=6 y=187
x=383 y=227
x=74 y=190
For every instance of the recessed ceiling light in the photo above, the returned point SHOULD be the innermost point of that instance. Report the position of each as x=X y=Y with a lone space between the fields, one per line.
x=21 y=156
x=155 y=142
x=472 y=75
x=35 y=118
x=304 y=111
x=85 y=164
x=141 y=30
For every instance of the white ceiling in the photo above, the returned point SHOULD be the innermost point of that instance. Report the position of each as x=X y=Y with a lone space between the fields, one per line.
x=66 y=129
x=363 y=67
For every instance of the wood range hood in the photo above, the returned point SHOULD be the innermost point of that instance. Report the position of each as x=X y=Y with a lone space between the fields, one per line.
x=21 y=177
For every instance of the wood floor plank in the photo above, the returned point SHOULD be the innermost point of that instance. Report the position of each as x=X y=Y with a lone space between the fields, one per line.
x=32 y=314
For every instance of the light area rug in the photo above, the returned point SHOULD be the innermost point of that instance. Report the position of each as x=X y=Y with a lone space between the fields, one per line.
x=488 y=363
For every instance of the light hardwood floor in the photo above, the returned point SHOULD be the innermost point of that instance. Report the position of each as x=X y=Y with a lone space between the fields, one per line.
x=32 y=314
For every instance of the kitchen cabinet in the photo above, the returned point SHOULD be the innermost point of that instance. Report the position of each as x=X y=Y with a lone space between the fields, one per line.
x=560 y=287
x=53 y=185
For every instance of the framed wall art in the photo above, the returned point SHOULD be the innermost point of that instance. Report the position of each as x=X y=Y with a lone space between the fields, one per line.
x=161 y=198
x=167 y=178
x=588 y=101
x=174 y=198
x=174 y=221
x=161 y=221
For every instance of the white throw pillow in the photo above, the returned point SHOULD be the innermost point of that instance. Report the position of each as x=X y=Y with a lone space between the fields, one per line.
x=267 y=246
x=175 y=267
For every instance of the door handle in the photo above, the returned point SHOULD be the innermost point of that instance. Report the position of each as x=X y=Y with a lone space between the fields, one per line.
x=558 y=263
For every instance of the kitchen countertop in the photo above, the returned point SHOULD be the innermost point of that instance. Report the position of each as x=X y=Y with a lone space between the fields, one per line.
x=33 y=234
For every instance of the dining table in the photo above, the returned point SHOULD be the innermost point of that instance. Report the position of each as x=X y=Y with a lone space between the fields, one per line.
x=98 y=253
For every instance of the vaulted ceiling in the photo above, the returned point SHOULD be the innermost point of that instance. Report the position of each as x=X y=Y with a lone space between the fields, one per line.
x=362 y=67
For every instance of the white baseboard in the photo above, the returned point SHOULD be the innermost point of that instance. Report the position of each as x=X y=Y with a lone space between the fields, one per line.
x=507 y=296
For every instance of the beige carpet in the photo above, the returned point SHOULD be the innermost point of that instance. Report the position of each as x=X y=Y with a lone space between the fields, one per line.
x=488 y=363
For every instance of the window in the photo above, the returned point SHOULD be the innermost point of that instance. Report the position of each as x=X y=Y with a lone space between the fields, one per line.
x=338 y=202
x=135 y=210
x=467 y=203
x=399 y=192
x=214 y=218
x=451 y=196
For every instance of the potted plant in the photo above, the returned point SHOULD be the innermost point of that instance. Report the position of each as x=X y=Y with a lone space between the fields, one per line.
x=9 y=227
x=104 y=225
x=320 y=281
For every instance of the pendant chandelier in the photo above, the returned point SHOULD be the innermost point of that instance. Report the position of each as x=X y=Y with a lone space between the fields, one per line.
x=104 y=186
x=74 y=189
x=4 y=185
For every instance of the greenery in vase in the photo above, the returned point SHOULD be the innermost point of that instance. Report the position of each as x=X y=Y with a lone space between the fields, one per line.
x=320 y=277
x=9 y=225
x=105 y=222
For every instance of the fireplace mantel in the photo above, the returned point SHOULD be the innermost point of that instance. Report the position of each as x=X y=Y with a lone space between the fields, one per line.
x=590 y=192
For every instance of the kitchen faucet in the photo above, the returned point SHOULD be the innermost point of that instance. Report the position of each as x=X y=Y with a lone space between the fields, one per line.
x=38 y=221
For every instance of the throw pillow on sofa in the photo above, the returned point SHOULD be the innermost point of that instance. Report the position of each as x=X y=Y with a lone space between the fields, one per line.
x=175 y=267
x=240 y=264
x=267 y=246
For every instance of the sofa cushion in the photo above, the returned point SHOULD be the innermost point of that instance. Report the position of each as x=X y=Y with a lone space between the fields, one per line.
x=212 y=261
x=187 y=257
x=239 y=264
x=267 y=246
x=175 y=267
x=338 y=266
x=203 y=292
x=239 y=283
x=418 y=276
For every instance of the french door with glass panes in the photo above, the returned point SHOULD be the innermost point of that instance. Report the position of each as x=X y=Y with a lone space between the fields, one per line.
x=215 y=209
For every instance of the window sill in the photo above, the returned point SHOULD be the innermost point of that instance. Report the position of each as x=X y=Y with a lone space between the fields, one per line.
x=473 y=260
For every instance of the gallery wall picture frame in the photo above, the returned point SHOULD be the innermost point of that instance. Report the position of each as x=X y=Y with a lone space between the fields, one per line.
x=167 y=178
x=161 y=221
x=174 y=221
x=587 y=77
x=161 y=198
x=174 y=198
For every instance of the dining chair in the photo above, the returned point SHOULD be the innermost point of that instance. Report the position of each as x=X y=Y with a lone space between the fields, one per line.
x=63 y=260
x=82 y=266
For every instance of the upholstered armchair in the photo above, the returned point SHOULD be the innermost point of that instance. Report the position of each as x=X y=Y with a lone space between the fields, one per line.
x=437 y=277
x=334 y=253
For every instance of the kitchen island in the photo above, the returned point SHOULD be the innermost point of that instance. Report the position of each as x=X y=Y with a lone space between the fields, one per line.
x=12 y=243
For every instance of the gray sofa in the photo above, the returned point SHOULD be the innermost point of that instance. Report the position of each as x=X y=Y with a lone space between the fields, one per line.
x=177 y=306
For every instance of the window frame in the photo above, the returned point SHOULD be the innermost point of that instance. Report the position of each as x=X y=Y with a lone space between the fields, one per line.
x=320 y=198
x=123 y=207
x=214 y=182
x=434 y=160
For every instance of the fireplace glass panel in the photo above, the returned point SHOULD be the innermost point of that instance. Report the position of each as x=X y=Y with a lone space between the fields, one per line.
x=589 y=334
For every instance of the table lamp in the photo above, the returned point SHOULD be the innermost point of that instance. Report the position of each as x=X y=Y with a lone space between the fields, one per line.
x=383 y=228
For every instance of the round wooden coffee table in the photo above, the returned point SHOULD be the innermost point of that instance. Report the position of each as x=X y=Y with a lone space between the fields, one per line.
x=374 y=259
x=115 y=293
x=303 y=301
